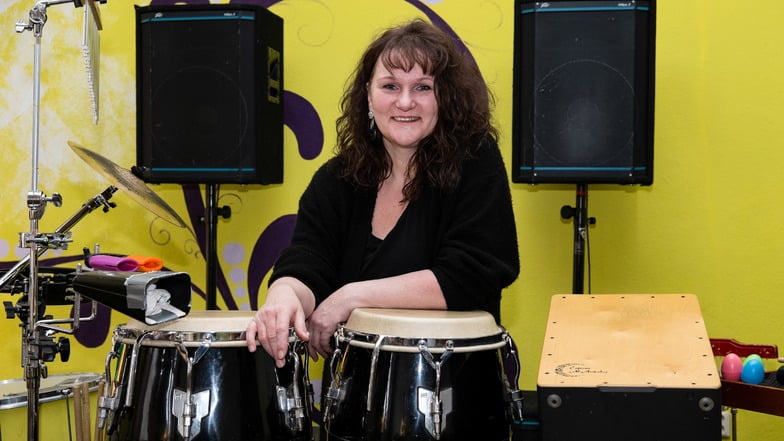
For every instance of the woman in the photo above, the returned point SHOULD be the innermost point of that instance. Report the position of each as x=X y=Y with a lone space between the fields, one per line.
x=414 y=211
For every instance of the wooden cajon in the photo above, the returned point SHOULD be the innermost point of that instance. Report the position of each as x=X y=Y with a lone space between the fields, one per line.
x=628 y=367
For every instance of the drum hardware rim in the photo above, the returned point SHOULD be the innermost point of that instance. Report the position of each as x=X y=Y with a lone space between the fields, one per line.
x=435 y=345
x=188 y=338
x=191 y=339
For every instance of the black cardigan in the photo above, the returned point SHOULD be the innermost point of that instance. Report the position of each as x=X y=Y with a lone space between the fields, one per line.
x=467 y=238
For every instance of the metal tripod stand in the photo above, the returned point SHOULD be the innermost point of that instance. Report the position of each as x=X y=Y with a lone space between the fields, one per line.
x=34 y=240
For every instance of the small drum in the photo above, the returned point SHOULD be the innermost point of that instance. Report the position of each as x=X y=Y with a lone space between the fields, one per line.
x=194 y=379
x=13 y=393
x=64 y=403
x=419 y=374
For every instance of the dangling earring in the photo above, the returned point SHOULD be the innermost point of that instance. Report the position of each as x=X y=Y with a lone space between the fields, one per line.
x=373 y=131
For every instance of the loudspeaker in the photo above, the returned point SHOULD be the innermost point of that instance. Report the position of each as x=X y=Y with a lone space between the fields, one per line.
x=583 y=92
x=209 y=84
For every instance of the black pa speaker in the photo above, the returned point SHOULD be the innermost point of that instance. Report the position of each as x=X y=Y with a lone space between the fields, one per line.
x=583 y=92
x=209 y=85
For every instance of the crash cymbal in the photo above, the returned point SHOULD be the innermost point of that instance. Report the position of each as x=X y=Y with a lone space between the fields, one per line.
x=127 y=181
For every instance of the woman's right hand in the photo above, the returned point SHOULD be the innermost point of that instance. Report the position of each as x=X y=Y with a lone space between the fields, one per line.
x=271 y=323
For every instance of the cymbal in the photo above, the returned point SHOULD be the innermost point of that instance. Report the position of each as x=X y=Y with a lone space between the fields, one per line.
x=127 y=181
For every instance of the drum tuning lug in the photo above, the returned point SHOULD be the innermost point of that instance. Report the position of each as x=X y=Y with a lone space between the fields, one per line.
x=515 y=404
x=106 y=404
x=336 y=394
x=291 y=406
x=434 y=405
x=189 y=409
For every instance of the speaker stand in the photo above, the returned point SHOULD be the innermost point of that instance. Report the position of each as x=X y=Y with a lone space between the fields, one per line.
x=581 y=221
x=211 y=241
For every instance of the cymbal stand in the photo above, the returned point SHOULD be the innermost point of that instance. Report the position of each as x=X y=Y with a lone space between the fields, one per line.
x=100 y=200
x=36 y=203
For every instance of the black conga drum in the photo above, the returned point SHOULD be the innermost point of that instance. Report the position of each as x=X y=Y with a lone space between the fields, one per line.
x=194 y=379
x=417 y=375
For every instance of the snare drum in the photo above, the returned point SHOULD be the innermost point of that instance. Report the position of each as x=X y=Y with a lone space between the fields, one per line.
x=13 y=393
x=417 y=374
x=194 y=379
x=65 y=401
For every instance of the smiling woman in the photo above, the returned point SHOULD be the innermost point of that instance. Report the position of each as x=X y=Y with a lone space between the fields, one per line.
x=699 y=228
x=403 y=107
x=413 y=212
x=415 y=209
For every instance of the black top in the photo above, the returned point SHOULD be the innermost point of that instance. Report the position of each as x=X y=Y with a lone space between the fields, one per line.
x=467 y=238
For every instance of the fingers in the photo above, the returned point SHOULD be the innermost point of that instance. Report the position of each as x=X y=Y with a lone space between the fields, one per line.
x=300 y=326
x=278 y=339
x=272 y=332
x=312 y=353
x=250 y=335
x=320 y=342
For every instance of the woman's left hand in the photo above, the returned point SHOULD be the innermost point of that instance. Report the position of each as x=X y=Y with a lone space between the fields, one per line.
x=324 y=321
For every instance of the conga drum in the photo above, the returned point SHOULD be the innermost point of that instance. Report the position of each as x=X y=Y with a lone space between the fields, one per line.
x=194 y=379
x=417 y=375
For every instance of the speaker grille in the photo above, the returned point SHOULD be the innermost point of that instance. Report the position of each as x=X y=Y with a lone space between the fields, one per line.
x=208 y=87
x=211 y=126
x=583 y=92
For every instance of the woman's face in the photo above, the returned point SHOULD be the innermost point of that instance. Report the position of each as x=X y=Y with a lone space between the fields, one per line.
x=403 y=104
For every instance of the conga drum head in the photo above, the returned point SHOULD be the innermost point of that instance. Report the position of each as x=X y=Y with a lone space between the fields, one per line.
x=403 y=329
x=221 y=328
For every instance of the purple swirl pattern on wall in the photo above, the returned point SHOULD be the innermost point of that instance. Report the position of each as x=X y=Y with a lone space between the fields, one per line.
x=266 y=250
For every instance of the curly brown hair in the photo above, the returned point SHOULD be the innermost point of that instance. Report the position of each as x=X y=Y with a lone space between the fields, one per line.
x=464 y=110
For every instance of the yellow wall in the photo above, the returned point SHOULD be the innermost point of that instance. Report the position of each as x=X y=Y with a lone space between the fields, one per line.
x=709 y=225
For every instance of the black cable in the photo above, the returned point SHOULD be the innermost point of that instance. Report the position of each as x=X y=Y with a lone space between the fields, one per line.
x=588 y=253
